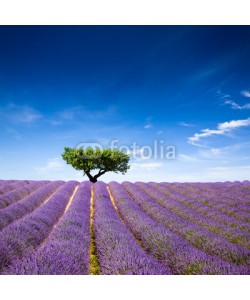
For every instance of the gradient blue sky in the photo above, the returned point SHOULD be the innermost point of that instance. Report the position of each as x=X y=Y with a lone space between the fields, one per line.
x=187 y=86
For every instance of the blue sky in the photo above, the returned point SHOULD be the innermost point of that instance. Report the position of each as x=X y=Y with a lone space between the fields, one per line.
x=178 y=86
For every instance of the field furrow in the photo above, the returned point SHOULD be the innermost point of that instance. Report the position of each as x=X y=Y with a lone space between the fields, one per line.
x=72 y=228
x=212 y=201
x=223 y=195
x=26 y=205
x=19 y=193
x=202 y=209
x=196 y=235
x=27 y=233
x=170 y=248
x=4 y=188
x=66 y=248
x=117 y=250
x=233 y=235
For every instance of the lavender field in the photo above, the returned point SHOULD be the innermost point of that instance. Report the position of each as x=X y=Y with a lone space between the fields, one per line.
x=57 y=227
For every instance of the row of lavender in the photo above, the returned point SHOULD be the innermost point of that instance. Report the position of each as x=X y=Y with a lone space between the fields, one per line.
x=182 y=245
x=139 y=228
x=47 y=232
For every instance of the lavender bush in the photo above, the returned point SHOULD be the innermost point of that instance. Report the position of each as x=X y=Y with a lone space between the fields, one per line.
x=27 y=233
x=117 y=250
x=19 y=193
x=66 y=249
x=65 y=228
x=28 y=204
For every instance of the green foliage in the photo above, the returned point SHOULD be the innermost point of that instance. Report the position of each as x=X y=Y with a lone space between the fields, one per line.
x=106 y=160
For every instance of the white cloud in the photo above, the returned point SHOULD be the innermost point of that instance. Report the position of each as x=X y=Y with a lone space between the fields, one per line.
x=222 y=95
x=245 y=94
x=55 y=122
x=205 y=133
x=14 y=133
x=232 y=104
x=187 y=158
x=159 y=132
x=216 y=151
x=203 y=155
x=213 y=153
x=229 y=173
x=146 y=166
x=223 y=152
x=202 y=74
x=147 y=126
x=228 y=101
x=185 y=124
x=80 y=114
x=70 y=113
x=239 y=168
x=53 y=164
x=65 y=115
x=235 y=105
x=233 y=124
x=20 y=113
x=222 y=129
x=216 y=154
x=136 y=151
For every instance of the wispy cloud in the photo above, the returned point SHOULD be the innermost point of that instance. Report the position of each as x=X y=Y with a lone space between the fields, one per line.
x=135 y=152
x=80 y=114
x=229 y=168
x=159 y=132
x=187 y=158
x=19 y=113
x=202 y=155
x=185 y=124
x=148 y=122
x=233 y=124
x=213 y=153
x=222 y=129
x=222 y=95
x=65 y=115
x=70 y=113
x=235 y=105
x=146 y=166
x=53 y=164
x=228 y=173
x=217 y=153
x=56 y=169
x=245 y=94
x=14 y=133
x=148 y=126
x=206 y=73
x=227 y=99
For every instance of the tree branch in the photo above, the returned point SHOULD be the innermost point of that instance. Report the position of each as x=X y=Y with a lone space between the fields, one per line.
x=100 y=173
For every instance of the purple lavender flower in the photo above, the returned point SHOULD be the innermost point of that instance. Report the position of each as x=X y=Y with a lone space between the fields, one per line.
x=172 y=204
x=6 y=187
x=117 y=250
x=19 y=193
x=170 y=248
x=202 y=208
x=66 y=250
x=141 y=228
x=28 y=204
x=199 y=237
x=27 y=233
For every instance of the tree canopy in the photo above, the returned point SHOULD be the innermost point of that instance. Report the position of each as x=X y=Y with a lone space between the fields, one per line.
x=106 y=160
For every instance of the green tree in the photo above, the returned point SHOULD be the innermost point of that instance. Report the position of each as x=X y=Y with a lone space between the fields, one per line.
x=106 y=160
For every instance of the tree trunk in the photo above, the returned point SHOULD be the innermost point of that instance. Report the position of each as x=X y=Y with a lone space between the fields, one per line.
x=91 y=178
x=94 y=178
